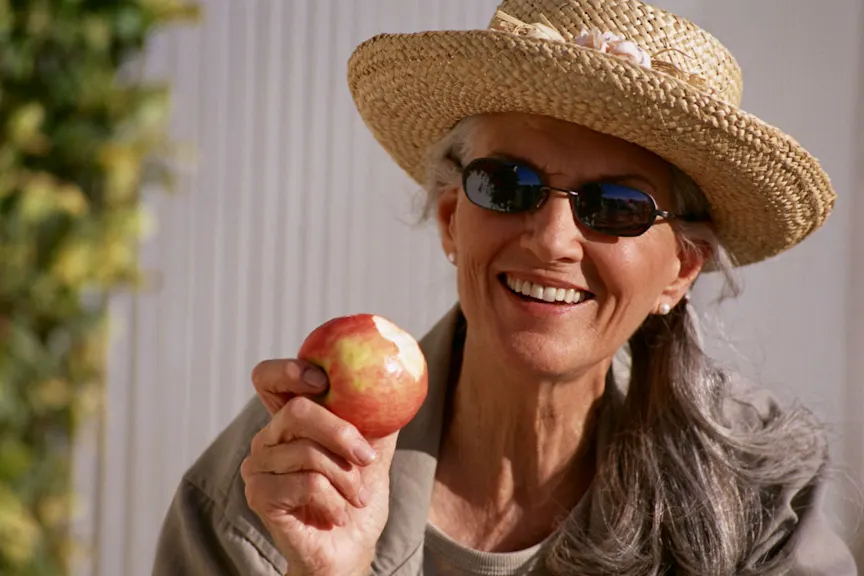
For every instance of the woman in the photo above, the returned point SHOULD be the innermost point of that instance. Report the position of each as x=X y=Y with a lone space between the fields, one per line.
x=585 y=162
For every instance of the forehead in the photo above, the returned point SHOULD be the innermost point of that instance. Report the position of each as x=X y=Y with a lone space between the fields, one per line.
x=562 y=148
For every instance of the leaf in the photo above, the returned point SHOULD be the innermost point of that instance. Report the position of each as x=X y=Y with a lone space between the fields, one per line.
x=16 y=459
x=19 y=531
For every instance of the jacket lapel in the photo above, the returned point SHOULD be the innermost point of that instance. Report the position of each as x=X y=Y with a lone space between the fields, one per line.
x=412 y=474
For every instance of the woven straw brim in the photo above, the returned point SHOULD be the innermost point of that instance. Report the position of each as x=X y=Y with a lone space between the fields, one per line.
x=766 y=192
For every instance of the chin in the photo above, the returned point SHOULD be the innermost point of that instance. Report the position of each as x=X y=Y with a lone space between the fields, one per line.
x=535 y=340
x=540 y=355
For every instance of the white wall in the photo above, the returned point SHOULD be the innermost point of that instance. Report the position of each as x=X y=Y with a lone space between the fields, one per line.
x=295 y=215
x=854 y=397
x=855 y=310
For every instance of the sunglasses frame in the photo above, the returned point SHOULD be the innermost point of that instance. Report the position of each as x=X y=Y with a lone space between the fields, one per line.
x=546 y=191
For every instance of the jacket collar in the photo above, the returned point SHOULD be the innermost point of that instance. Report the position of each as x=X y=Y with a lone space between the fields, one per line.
x=412 y=472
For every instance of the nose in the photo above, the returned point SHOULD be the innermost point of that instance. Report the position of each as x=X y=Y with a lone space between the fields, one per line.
x=551 y=232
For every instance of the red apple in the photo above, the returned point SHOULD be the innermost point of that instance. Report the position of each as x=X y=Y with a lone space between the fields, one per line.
x=377 y=372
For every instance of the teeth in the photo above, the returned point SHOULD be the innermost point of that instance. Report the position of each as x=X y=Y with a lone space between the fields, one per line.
x=536 y=291
x=546 y=293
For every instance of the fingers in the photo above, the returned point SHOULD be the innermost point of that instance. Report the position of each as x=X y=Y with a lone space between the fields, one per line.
x=306 y=456
x=308 y=467
x=308 y=496
x=277 y=381
x=302 y=417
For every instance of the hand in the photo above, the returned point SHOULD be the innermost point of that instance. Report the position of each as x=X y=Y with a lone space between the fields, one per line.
x=319 y=487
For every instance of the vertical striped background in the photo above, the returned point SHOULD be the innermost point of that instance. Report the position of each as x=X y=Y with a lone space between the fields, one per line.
x=292 y=215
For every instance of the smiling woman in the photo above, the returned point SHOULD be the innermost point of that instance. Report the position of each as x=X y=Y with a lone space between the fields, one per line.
x=673 y=387
x=585 y=163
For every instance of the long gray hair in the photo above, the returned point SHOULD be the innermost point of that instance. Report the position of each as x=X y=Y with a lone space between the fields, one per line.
x=680 y=490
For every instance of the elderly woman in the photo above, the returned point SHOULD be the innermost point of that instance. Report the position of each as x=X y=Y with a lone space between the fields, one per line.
x=585 y=162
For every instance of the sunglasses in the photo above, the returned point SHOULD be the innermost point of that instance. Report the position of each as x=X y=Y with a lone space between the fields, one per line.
x=511 y=188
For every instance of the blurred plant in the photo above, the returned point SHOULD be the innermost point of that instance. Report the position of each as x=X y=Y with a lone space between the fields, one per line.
x=80 y=134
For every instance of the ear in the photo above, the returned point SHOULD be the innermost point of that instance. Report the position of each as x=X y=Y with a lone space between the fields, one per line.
x=689 y=263
x=447 y=218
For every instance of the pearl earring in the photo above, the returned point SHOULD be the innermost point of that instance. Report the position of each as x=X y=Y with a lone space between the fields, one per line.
x=451 y=256
x=665 y=309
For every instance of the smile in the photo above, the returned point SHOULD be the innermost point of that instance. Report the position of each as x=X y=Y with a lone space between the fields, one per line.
x=549 y=294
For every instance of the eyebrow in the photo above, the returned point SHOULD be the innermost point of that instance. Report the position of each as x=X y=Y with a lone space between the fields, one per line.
x=605 y=178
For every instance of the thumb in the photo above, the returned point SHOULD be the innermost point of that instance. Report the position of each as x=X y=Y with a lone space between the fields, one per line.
x=385 y=448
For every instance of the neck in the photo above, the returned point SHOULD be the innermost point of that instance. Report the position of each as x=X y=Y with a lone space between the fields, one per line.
x=516 y=454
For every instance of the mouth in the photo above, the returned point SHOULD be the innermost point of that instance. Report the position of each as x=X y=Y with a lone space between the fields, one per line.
x=535 y=292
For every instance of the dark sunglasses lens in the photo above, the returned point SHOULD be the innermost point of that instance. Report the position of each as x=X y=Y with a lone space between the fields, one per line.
x=614 y=209
x=502 y=186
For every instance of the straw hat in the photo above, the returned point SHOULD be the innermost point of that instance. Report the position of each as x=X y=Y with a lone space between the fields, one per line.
x=620 y=67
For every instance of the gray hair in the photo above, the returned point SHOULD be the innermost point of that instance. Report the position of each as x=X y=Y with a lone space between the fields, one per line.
x=681 y=490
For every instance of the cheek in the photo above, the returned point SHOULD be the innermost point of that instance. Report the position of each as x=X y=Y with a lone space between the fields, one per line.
x=472 y=247
x=636 y=268
x=479 y=234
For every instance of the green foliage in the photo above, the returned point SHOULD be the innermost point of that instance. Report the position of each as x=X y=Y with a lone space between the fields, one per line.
x=79 y=136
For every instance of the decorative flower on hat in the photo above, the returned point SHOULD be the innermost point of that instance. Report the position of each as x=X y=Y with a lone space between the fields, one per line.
x=610 y=43
x=605 y=42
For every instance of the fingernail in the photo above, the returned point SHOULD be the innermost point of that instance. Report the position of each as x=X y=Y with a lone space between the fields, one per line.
x=314 y=378
x=364 y=453
x=292 y=371
x=363 y=496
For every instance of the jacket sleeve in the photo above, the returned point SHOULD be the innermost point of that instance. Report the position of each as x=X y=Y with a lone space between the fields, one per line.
x=198 y=539
x=798 y=525
x=816 y=549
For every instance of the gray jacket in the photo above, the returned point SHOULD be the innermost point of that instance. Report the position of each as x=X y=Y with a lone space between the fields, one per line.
x=210 y=530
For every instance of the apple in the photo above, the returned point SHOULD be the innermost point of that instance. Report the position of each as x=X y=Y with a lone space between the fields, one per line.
x=377 y=372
